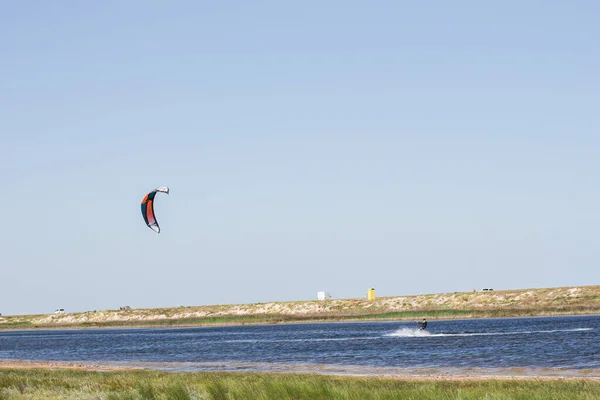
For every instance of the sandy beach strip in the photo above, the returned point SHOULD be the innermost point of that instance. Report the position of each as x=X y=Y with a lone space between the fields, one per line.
x=421 y=374
x=25 y=364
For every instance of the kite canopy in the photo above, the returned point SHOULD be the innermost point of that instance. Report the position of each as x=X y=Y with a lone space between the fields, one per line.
x=148 y=208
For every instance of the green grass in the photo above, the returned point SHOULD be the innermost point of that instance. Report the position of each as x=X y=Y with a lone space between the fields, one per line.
x=70 y=384
x=493 y=304
x=317 y=317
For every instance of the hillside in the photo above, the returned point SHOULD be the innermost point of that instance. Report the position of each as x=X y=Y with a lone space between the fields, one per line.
x=504 y=303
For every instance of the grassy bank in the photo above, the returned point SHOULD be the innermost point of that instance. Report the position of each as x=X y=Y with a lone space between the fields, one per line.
x=282 y=318
x=63 y=384
x=506 y=303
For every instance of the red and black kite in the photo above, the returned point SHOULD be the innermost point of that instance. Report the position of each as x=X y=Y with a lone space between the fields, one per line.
x=148 y=208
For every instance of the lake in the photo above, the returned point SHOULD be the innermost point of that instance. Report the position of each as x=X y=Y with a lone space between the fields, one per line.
x=538 y=345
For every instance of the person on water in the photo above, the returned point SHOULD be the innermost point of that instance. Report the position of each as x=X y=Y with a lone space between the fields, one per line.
x=423 y=324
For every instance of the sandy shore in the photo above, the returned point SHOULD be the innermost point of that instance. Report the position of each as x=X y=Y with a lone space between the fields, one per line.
x=23 y=364
x=435 y=374
x=579 y=300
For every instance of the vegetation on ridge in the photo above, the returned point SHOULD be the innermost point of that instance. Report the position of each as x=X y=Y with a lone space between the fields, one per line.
x=503 y=303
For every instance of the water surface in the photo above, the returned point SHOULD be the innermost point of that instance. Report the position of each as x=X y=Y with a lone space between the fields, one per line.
x=550 y=346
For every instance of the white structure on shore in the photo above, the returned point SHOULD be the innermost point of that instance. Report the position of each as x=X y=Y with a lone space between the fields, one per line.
x=323 y=296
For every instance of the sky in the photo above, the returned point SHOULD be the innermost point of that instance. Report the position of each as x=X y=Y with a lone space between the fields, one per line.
x=410 y=147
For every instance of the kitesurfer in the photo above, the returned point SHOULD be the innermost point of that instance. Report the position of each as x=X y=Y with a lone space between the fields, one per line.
x=423 y=324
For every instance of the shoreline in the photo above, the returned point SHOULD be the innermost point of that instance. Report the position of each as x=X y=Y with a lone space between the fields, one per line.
x=567 y=301
x=407 y=374
x=51 y=327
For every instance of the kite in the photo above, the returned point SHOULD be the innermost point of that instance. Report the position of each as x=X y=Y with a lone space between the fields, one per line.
x=148 y=208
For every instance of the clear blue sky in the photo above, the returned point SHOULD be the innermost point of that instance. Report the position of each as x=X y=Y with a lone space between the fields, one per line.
x=413 y=147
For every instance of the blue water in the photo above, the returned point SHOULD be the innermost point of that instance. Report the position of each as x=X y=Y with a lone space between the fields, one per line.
x=564 y=343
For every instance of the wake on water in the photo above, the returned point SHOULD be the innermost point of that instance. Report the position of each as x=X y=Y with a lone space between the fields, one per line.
x=407 y=332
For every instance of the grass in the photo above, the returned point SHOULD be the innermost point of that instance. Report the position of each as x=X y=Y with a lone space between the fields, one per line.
x=333 y=317
x=503 y=303
x=68 y=384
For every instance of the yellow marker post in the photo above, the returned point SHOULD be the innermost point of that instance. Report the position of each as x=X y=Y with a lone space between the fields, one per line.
x=371 y=294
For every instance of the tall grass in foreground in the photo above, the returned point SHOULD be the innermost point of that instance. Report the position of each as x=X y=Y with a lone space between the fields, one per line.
x=69 y=384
